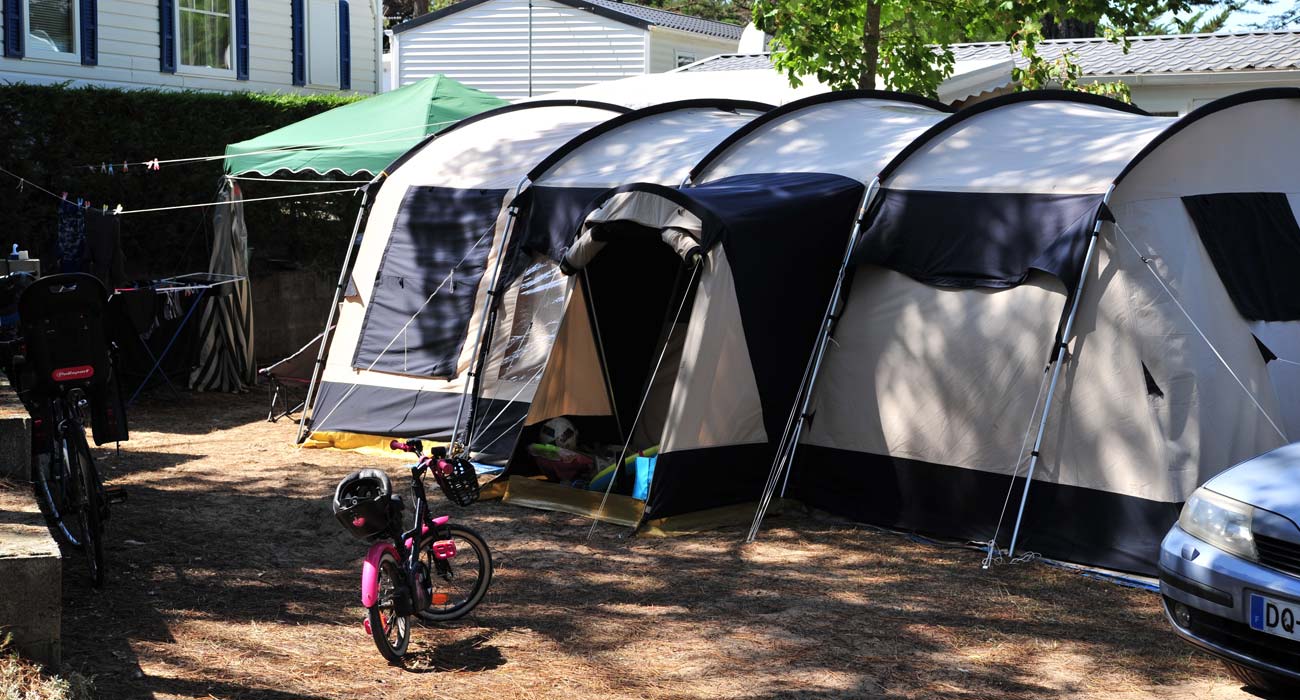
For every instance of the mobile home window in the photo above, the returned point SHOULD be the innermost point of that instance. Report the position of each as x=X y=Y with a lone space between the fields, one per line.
x=52 y=28
x=684 y=58
x=206 y=31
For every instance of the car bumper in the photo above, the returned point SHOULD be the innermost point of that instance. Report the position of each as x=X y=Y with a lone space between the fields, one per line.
x=1215 y=587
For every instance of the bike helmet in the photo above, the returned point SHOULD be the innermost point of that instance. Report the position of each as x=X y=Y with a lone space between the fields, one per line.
x=363 y=503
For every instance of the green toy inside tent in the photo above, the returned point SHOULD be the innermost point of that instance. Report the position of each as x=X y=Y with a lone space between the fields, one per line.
x=361 y=137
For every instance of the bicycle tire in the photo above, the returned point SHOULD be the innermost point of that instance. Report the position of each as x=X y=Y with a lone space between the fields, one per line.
x=462 y=605
x=90 y=508
x=55 y=493
x=391 y=649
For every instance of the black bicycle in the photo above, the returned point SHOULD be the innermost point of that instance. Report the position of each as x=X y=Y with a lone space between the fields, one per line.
x=66 y=365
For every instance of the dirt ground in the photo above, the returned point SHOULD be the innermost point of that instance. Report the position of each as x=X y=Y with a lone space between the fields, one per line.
x=229 y=578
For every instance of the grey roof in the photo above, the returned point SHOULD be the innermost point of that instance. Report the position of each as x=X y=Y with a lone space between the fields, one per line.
x=626 y=12
x=672 y=20
x=732 y=61
x=1176 y=53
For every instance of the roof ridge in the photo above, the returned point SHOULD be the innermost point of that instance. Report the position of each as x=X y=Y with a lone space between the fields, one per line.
x=1140 y=37
x=698 y=18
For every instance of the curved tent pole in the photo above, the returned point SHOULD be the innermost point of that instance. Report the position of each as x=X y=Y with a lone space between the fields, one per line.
x=483 y=342
x=1062 y=349
x=334 y=308
x=784 y=459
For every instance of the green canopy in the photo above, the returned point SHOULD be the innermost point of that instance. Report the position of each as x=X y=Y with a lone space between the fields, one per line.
x=363 y=136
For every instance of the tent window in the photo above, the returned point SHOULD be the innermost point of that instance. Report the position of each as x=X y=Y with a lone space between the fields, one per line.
x=1153 y=389
x=1254 y=242
x=428 y=280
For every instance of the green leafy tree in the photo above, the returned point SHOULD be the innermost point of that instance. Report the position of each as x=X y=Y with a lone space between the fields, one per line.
x=905 y=43
x=1203 y=21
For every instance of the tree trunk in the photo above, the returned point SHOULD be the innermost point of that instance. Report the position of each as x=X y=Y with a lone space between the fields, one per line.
x=870 y=47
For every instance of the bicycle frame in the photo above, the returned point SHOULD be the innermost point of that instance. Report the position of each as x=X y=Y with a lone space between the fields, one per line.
x=405 y=548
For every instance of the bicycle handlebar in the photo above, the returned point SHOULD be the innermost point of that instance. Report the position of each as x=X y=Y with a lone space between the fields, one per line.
x=403 y=446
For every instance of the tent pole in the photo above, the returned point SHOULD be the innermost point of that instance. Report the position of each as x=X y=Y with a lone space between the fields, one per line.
x=334 y=308
x=1062 y=349
x=784 y=459
x=478 y=358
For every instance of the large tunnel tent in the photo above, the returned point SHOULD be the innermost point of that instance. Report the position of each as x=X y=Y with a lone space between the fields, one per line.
x=406 y=324
x=978 y=246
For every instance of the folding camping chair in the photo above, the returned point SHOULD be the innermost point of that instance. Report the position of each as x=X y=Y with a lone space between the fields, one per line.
x=294 y=370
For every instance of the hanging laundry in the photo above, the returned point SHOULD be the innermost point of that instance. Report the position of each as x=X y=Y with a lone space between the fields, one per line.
x=71 y=238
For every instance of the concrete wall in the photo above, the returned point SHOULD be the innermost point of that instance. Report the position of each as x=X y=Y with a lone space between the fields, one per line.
x=31 y=581
x=289 y=309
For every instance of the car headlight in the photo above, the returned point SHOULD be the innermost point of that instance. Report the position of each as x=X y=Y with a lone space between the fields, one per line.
x=1220 y=521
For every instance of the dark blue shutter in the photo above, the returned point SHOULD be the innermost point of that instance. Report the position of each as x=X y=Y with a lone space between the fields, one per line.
x=167 y=36
x=345 y=47
x=14 y=28
x=241 y=39
x=298 y=10
x=89 y=32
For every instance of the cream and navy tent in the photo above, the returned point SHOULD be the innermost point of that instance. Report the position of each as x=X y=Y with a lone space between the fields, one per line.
x=965 y=284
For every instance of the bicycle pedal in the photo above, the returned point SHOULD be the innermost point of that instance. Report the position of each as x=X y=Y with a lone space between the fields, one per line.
x=115 y=494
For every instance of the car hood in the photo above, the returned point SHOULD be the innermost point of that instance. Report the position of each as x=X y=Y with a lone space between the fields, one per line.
x=1270 y=481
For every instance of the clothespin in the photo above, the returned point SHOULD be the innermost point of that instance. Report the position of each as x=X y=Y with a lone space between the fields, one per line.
x=79 y=200
x=124 y=166
x=87 y=203
x=110 y=168
x=65 y=196
x=103 y=209
x=152 y=165
x=21 y=181
x=117 y=209
x=103 y=168
x=91 y=168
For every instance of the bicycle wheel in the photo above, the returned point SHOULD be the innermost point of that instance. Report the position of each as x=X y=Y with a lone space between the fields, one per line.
x=459 y=583
x=56 y=492
x=391 y=631
x=90 y=503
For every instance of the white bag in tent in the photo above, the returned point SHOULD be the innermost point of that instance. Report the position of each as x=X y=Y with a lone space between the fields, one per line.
x=932 y=392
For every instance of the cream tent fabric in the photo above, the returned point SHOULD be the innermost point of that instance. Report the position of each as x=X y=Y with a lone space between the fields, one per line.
x=927 y=400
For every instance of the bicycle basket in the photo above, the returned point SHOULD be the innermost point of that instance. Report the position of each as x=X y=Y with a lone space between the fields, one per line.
x=458 y=480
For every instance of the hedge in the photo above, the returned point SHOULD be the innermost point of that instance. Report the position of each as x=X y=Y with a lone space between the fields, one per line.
x=51 y=133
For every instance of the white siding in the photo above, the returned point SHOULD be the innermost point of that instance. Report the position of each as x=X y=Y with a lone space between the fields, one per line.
x=486 y=47
x=666 y=43
x=129 y=52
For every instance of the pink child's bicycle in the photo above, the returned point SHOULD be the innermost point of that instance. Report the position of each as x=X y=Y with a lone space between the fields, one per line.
x=435 y=570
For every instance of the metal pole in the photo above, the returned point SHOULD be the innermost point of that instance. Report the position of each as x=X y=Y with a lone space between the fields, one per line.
x=489 y=321
x=1062 y=349
x=530 y=48
x=334 y=307
x=783 y=460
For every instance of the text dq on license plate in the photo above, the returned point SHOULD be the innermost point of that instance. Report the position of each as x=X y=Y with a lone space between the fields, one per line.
x=1275 y=616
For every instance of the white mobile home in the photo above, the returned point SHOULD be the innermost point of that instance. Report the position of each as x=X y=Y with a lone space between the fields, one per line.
x=517 y=49
x=227 y=45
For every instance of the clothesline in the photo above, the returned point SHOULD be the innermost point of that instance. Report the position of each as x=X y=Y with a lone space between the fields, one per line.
x=23 y=183
x=155 y=163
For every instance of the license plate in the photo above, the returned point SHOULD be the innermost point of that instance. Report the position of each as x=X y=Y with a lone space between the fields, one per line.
x=1277 y=617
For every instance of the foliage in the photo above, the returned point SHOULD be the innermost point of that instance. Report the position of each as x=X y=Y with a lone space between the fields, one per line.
x=53 y=133
x=1199 y=22
x=23 y=680
x=1285 y=19
x=851 y=44
x=1062 y=71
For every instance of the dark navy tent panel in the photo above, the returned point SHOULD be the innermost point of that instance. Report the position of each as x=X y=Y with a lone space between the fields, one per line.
x=979 y=239
x=408 y=413
x=1106 y=529
x=554 y=217
x=424 y=293
x=1254 y=242
x=785 y=237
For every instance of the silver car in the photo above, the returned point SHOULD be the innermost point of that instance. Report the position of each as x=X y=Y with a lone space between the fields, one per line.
x=1230 y=570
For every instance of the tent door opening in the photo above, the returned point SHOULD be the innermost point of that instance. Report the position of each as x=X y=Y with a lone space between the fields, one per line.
x=628 y=316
